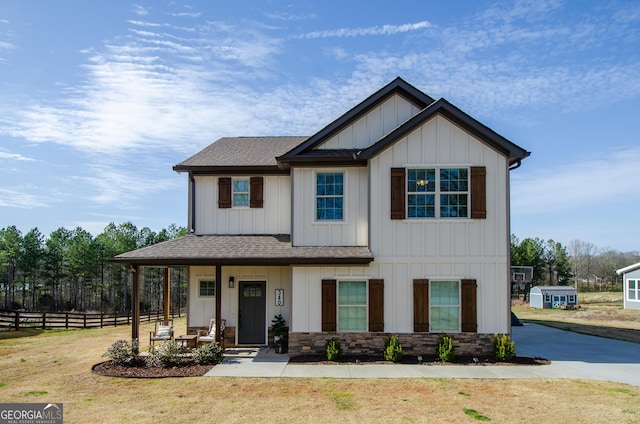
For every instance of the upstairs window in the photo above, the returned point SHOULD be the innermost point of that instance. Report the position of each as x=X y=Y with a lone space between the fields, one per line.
x=329 y=196
x=240 y=189
x=438 y=193
x=240 y=192
x=433 y=192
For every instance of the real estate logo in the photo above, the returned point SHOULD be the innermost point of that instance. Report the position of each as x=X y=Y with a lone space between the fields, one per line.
x=30 y=413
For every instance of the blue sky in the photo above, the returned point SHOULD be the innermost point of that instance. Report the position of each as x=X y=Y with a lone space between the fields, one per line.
x=100 y=99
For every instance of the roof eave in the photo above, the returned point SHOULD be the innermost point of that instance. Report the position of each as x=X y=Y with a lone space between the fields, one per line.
x=231 y=170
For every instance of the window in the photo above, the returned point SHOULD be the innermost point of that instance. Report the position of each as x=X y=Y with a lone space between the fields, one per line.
x=633 y=291
x=445 y=306
x=358 y=305
x=329 y=196
x=240 y=189
x=352 y=306
x=547 y=298
x=240 y=192
x=207 y=288
x=572 y=299
x=438 y=193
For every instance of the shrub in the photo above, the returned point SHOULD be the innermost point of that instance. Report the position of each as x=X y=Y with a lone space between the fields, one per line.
x=504 y=349
x=445 y=351
x=392 y=349
x=208 y=354
x=122 y=352
x=165 y=355
x=333 y=349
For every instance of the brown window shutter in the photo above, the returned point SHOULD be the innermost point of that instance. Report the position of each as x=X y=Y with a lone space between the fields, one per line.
x=328 y=305
x=398 y=196
x=420 y=306
x=255 y=192
x=468 y=300
x=224 y=192
x=376 y=305
x=478 y=192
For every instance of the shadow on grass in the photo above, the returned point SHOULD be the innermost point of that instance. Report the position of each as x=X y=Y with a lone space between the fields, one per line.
x=624 y=334
x=11 y=334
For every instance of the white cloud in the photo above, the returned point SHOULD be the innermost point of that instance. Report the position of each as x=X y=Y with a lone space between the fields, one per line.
x=14 y=156
x=21 y=199
x=577 y=185
x=376 y=30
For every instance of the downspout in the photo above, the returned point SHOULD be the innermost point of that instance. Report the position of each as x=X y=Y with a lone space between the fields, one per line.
x=192 y=205
x=516 y=166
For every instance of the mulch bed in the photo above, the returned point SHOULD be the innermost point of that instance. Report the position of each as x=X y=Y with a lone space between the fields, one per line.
x=187 y=368
x=138 y=369
x=413 y=360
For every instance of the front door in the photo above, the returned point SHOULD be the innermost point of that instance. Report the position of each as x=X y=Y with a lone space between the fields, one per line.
x=252 y=312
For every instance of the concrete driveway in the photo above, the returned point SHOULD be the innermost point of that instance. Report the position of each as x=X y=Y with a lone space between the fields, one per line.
x=576 y=355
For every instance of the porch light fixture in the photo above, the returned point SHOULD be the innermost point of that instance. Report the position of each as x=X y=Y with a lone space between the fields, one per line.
x=231 y=282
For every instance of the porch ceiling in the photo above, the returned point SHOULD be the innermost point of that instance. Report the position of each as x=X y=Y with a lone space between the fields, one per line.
x=242 y=250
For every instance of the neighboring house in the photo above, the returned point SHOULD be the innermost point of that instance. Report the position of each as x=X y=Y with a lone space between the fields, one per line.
x=556 y=297
x=631 y=286
x=392 y=219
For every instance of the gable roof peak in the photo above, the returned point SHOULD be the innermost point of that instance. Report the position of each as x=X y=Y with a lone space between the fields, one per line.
x=396 y=86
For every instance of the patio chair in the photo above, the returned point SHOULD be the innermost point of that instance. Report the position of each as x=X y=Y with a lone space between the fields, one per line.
x=162 y=332
x=209 y=336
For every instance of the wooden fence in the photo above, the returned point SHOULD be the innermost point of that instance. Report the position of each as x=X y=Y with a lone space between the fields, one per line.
x=17 y=320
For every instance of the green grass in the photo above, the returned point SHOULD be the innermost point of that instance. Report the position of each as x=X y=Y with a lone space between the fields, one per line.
x=475 y=414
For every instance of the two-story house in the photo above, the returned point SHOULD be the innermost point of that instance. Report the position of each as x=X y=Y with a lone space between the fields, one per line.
x=392 y=219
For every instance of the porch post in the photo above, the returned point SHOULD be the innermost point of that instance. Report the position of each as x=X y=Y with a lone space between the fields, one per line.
x=167 y=293
x=218 y=301
x=135 y=305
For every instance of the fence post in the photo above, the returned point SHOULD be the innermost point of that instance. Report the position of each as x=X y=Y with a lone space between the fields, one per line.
x=44 y=320
x=66 y=320
x=17 y=320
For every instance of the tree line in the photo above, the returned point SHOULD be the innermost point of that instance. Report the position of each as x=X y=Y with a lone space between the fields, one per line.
x=69 y=270
x=581 y=264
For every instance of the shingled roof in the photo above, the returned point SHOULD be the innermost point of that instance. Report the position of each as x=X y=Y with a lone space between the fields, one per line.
x=242 y=250
x=225 y=154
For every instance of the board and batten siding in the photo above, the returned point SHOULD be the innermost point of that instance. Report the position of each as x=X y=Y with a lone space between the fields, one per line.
x=405 y=250
x=372 y=126
x=202 y=309
x=351 y=231
x=440 y=248
x=398 y=279
x=273 y=218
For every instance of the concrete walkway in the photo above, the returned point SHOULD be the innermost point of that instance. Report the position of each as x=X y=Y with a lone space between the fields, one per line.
x=572 y=355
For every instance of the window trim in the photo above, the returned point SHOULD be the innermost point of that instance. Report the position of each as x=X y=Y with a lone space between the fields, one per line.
x=343 y=196
x=247 y=193
x=365 y=306
x=437 y=193
x=431 y=306
x=636 y=289
x=206 y=280
x=477 y=185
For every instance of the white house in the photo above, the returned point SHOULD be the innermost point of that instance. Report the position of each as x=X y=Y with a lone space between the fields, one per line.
x=392 y=219
x=631 y=285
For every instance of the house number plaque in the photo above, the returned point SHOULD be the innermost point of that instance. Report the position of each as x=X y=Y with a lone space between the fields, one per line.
x=279 y=297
